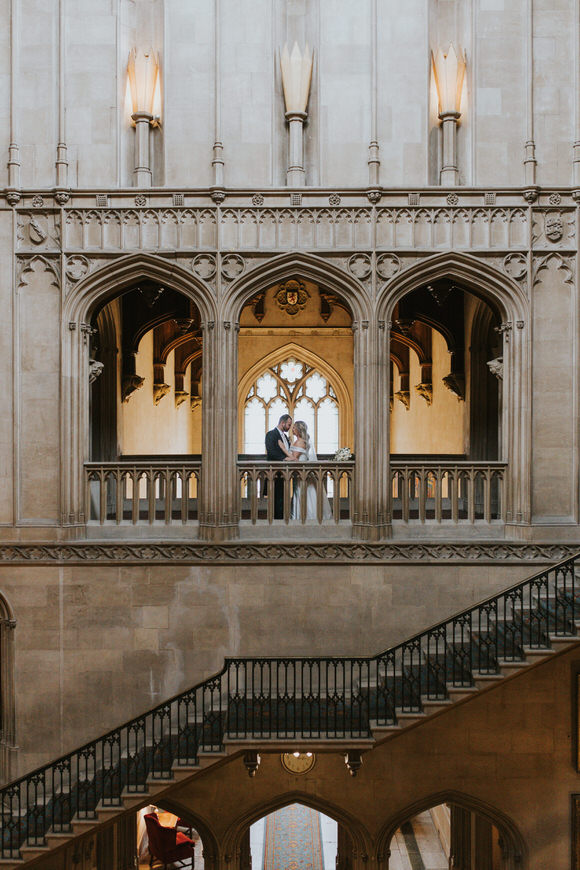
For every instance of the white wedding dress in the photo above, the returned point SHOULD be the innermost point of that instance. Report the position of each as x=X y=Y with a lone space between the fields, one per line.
x=308 y=455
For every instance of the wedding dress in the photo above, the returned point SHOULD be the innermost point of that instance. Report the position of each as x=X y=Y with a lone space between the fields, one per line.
x=308 y=455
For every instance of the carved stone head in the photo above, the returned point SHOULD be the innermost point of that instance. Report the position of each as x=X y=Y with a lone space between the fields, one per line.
x=554 y=226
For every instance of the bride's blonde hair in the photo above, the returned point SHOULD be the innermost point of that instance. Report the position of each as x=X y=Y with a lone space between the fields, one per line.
x=302 y=430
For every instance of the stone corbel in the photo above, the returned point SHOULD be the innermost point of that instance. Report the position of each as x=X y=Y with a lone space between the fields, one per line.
x=180 y=397
x=426 y=392
x=95 y=370
x=496 y=367
x=455 y=382
x=130 y=383
x=404 y=396
x=159 y=391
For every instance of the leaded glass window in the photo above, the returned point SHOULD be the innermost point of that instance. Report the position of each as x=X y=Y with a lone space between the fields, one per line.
x=296 y=388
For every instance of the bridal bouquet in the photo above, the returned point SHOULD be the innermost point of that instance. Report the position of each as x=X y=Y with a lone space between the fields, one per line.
x=343 y=454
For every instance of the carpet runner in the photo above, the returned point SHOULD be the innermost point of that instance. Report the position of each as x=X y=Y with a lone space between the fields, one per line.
x=293 y=839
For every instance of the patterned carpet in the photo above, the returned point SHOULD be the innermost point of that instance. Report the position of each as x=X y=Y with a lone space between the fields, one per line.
x=293 y=840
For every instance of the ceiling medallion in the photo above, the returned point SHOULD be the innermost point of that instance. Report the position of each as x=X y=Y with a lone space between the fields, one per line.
x=298 y=762
x=292 y=296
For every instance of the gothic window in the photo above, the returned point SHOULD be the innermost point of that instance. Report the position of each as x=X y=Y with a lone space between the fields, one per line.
x=296 y=388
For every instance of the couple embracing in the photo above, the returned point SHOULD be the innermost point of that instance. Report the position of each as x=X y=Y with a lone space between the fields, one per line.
x=280 y=448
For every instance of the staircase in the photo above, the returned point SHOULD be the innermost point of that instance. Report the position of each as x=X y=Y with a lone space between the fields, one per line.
x=253 y=702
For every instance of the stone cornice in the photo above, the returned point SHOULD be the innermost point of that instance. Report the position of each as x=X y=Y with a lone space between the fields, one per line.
x=238 y=553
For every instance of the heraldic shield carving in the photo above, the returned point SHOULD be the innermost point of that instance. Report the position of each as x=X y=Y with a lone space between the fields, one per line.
x=292 y=296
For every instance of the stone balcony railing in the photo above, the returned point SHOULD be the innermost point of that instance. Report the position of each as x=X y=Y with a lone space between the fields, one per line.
x=423 y=495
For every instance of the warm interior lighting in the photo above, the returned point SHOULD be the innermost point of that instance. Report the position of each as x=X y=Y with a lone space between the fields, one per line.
x=296 y=754
x=143 y=72
x=449 y=72
x=296 y=77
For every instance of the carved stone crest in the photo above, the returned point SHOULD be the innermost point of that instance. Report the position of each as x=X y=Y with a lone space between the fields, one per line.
x=388 y=265
x=204 y=265
x=360 y=266
x=292 y=296
x=554 y=226
x=232 y=266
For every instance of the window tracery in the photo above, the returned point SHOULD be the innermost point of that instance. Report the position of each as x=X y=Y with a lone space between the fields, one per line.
x=292 y=387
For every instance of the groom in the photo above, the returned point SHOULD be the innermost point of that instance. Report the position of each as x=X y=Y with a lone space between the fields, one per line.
x=275 y=454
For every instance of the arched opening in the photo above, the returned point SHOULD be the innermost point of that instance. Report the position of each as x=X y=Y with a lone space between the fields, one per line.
x=446 y=405
x=453 y=833
x=294 y=835
x=145 y=404
x=295 y=357
x=446 y=400
x=161 y=833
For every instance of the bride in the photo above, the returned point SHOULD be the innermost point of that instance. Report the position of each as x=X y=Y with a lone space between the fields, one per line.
x=302 y=450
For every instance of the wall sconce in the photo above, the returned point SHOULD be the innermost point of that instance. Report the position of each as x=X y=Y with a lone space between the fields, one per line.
x=252 y=763
x=143 y=74
x=449 y=72
x=296 y=77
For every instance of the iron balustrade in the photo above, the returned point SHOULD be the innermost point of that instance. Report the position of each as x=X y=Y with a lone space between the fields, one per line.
x=331 y=480
x=290 y=699
x=447 y=491
x=136 y=492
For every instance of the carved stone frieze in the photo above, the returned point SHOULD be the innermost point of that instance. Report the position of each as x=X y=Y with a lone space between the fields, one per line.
x=455 y=226
x=551 y=227
x=38 y=230
x=346 y=552
x=160 y=229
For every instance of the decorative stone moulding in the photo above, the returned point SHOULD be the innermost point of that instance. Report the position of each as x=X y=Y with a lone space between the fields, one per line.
x=95 y=369
x=496 y=367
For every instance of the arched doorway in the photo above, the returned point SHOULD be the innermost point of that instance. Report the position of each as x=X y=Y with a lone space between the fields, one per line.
x=295 y=835
x=453 y=833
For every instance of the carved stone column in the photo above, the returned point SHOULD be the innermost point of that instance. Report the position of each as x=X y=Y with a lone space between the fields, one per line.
x=370 y=519
x=517 y=429
x=219 y=512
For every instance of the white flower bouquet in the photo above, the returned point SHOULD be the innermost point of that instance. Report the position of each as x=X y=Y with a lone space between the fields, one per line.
x=343 y=454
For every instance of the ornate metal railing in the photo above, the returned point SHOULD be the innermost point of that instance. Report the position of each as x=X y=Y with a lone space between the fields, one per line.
x=290 y=699
x=296 y=491
x=137 y=492
x=447 y=491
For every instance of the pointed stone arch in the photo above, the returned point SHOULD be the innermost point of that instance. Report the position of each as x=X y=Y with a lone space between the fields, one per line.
x=515 y=847
x=209 y=839
x=476 y=275
x=109 y=280
x=303 y=265
x=511 y=303
x=93 y=290
x=276 y=356
x=361 y=840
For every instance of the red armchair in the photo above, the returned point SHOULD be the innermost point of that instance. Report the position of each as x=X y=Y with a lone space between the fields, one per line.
x=167 y=845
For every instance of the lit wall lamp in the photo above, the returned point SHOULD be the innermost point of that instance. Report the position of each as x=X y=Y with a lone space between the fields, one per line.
x=143 y=73
x=449 y=72
x=296 y=78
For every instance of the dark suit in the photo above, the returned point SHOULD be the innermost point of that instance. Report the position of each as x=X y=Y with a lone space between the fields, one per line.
x=275 y=454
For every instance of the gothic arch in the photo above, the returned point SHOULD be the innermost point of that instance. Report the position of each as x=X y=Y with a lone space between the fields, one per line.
x=210 y=842
x=276 y=356
x=106 y=282
x=475 y=275
x=95 y=289
x=359 y=835
x=510 y=301
x=506 y=827
x=7 y=698
x=290 y=265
